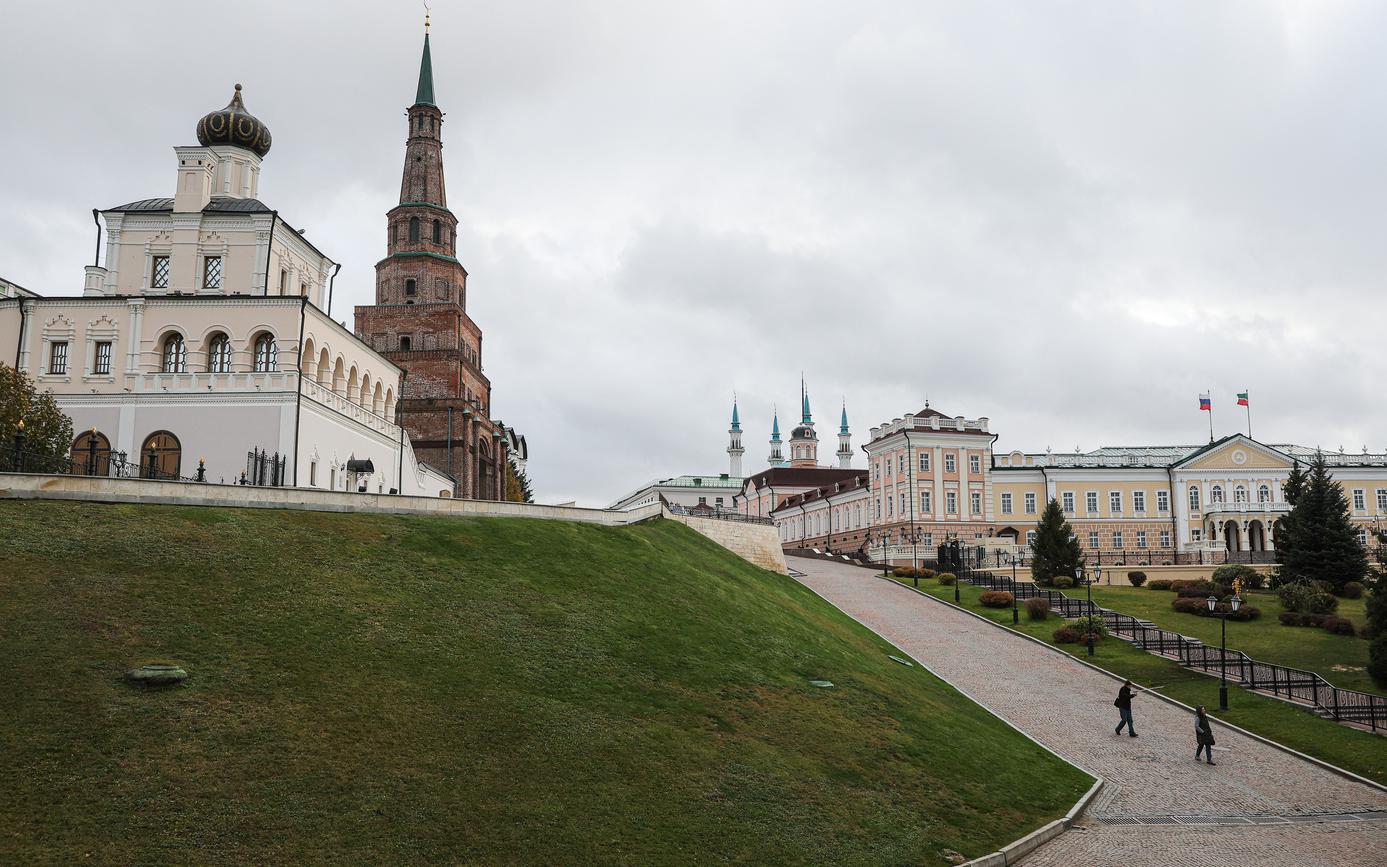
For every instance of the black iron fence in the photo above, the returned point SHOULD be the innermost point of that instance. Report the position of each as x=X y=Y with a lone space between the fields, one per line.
x=715 y=512
x=1283 y=682
x=110 y=464
x=264 y=469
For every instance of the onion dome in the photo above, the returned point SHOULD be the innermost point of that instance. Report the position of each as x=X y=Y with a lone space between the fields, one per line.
x=234 y=125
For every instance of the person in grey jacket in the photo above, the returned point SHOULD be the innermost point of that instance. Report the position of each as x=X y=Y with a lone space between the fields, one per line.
x=1203 y=735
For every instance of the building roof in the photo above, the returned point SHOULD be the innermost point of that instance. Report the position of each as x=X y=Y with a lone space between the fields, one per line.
x=853 y=483
x=801 y=477
x=694 y=481
x=1109 y=457
x=424 y=95
x=217 y=205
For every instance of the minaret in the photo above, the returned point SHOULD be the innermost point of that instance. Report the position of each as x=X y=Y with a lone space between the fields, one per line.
x=844 y=441
x=734 y=444
x=777 y=458
x=804 y=443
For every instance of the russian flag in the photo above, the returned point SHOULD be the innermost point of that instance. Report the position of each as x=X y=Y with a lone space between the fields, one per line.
x=1205 y=403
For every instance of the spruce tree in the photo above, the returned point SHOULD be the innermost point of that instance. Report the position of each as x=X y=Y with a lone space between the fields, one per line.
x=1281 y=531
x=517 y=485
x=1321 y=543
x=1056 y=549
x=1377 y=616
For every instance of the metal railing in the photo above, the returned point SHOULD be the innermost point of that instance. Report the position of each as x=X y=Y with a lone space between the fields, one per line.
x=108 y=464
x=1283 y=682
x=716 y=514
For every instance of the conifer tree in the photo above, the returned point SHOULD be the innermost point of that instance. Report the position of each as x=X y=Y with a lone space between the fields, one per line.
x=1321 y=543
x=517 y=485
x=1056 y=549
x=1295 y=485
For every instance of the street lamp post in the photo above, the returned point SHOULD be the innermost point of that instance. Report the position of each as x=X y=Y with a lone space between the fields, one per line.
x=915 y=534
x=885 y=554
x=1015 y=612
x=1088 y=621
x=1234 y=603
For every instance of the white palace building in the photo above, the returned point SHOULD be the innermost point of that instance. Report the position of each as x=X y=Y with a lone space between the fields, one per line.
x=201 y=335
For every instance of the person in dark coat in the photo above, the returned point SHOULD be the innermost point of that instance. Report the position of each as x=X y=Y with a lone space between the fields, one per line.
x=1203 y=735
x=1124 y=708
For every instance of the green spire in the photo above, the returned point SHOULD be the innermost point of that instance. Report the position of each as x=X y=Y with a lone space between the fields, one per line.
x=736 y=422
x=424 y=96
x=804 y=399
x=843 y=427
x=775 y=426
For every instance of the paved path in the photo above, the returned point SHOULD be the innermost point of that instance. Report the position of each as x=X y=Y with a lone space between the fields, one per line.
x=1068 y=707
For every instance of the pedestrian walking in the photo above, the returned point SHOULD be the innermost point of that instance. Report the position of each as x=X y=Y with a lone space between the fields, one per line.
x=1203 y=735
x=1124 y=708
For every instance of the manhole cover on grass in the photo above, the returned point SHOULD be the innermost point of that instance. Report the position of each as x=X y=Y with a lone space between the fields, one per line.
x=901 y=661
x=822 y=684
x=156 y=674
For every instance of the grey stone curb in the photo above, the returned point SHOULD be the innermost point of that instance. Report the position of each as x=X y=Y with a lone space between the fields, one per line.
x=1025 y=845
x=1349 y=775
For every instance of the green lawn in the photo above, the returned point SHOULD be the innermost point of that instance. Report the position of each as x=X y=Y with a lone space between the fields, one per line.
x=1357 y=751
x=370 y=689
x=1339 y=659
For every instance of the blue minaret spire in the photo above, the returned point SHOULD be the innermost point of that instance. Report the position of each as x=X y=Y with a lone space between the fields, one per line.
x=736 y=423
x=804 y=399
x=843 y=425
x=777 y=456
x=734 y=443
x=844 y=440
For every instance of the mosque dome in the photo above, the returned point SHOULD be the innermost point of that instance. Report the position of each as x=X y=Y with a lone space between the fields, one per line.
x=802 y=432
x=234 y=125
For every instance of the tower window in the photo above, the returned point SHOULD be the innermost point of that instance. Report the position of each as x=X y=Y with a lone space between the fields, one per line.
x=437 y=232
x=410 y=286
x=413 y=228
x=404 y=343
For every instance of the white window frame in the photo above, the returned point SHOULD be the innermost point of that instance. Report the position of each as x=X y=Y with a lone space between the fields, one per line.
x=1163 y=502
x=1117 y=541
x=950 y=463
x=1030 y=501
x=1067 y=501
x=1006 y=502
x=975 y=464
x=951 y=502
x=1360 y=500
x=924 y=462
x=1091 y=502
x=926 y=504
x=975 y=502
x=1115 y=502
x=1139 y=502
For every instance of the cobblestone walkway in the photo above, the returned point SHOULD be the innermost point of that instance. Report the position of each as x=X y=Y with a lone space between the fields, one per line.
x=1068 y=707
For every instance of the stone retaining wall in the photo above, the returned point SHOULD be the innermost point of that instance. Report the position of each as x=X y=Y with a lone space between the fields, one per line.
x=758 y=544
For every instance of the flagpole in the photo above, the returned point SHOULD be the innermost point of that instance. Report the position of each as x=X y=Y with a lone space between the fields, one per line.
x=1211 y=415
x=1248 y=407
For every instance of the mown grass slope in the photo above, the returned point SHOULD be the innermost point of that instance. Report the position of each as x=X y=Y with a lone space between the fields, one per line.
x=372 y=689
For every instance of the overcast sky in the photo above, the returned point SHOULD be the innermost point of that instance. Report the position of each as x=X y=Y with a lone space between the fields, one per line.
x=1069 y=217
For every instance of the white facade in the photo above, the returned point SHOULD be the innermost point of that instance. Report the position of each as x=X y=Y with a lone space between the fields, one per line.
x=204 y=329
x=714 y=492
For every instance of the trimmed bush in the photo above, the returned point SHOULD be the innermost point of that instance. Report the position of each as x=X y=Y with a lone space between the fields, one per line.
x=1062 y=582
x=946 y=578
x=1136 y=578
x=1339 y=626
x=995 y=599
x=1306 y=598
x=901 y=572
x=1037 y=608
x=1202 y=589
x=1160 y=584
x=1065 y=635
x=1189 y=605
x=1352 y=590
x=1289 y=618
x=1251 y=578
x=1245 y=612
x=1091 y=623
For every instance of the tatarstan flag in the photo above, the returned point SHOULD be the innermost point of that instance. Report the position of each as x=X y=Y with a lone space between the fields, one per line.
x=1242 y=398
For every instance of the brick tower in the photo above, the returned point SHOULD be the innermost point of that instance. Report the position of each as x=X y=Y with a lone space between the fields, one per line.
x=420 y=321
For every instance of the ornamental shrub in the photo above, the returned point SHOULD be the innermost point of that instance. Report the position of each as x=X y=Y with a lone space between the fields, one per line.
x=1244 y=612
x=1251 y=578
x=1306 y=598
x=1289 y=618
x=1159 y=584
x=1091 y=623
x=1189 y=605
x=1136 y=578
x=1037 y=608
x=1339 y=626
x=1062 y=582
x=1202 y=589
x=901 y=571
x=1352 y=590
x=995 y=599
x=946 y=578
x=1316 y=620
x=1065 y=635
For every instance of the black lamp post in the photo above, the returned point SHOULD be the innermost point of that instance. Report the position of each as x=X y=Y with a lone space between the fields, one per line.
x=1088 y=623
x=885 y=554
x=1233 y=604
x=19 y=437
x=914 y=534
x=1015 y=612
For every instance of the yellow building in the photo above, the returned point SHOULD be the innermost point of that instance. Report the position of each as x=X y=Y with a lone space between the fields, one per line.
x=934 y=478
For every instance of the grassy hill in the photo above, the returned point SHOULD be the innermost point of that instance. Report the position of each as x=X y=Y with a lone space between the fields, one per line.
x=377 y=689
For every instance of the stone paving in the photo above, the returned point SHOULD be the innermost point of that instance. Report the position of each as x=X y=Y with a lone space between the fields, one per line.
x=1068 y=707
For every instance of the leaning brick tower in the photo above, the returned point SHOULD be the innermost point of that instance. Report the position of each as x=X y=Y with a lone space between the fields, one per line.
x=420 y=321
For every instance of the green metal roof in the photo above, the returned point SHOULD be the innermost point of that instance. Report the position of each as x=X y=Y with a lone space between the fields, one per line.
x=424 y=96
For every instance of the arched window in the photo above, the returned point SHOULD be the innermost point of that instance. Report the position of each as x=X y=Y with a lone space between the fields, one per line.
x=414 y=228
x=1264 y=494
x=404 y=343
x=1216 y=494
x=160 y=456
x=1194 y=498
x=1240 y=494
x=175 y=354
x=219 y=354
x=91 y=454
x=266 y=354
x=437 y=232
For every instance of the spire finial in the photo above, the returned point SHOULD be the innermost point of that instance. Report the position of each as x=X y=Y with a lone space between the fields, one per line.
x=427 y=10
